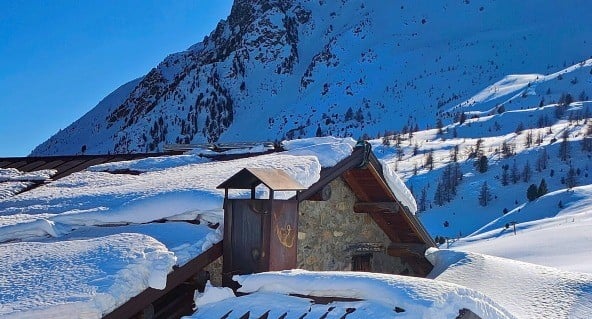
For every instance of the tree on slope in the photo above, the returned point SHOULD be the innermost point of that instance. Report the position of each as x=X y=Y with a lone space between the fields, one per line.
x=564 y=147
x=542 y=189
x=532 y=192
x=482 y=164
x=485 y=195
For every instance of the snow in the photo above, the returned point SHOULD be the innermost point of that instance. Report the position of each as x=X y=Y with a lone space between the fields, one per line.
x=150 y=164
x=212 y=294
x=381 y=293
x=84 y=277
x=543 y=230
x=329 y=150
x=525 y=290
x=184 y=240
x=399 y=189
x=13 y=174
x=61 y=226
x=13 y=181
x=99 y=198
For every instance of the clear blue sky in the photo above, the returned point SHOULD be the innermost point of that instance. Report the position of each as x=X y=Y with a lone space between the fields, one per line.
x=59 y=58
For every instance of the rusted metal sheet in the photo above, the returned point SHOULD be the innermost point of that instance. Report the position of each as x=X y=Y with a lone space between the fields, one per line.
x=283 y=240
x=274 y=179
x=176 y=278
x=259 y=235
x=244 y=251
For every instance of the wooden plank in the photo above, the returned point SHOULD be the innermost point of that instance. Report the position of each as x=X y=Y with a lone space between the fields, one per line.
x=399 y=249
x=381 y=181
x=386 y=226
x=376 y=207
x=32 y=166
x=174 y=279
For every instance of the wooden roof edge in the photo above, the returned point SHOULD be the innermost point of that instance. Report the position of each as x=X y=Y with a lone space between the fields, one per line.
x=273 y=178
x=414 y=222
x=362 y=157
x=177 y=277
x=88 y=156
x=419 y=229
x=356 y=159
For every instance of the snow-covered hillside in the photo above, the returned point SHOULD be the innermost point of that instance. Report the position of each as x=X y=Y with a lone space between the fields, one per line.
x=482 y=176
x=351 y=67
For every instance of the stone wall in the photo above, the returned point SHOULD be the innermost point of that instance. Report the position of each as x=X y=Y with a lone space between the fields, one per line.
x=327 y=231
x=215 y=271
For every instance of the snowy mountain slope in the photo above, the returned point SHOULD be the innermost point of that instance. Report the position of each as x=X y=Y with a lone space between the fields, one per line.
x=523 y=141
x=525 y=290
x=338 y=68
x=546 y=234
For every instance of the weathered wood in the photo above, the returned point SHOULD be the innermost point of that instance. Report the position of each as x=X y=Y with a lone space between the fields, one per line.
x=387 y=227
x=174 y=279
x=376 y=207
x=362 y=262
x=259 y=235
x=399 y=249
x=323 y=195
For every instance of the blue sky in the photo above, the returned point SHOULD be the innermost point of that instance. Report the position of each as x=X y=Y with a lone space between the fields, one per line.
x=59 y=58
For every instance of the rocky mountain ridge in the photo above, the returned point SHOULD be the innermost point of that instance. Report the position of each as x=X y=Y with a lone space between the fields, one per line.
x=279 y=69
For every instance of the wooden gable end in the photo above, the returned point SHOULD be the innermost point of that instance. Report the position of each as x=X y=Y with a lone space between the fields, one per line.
x=362 y=172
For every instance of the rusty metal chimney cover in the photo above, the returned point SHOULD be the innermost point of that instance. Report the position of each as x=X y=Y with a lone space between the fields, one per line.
x=274 y=179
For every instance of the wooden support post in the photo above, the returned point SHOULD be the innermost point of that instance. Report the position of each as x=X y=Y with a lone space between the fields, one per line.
x=399 y=249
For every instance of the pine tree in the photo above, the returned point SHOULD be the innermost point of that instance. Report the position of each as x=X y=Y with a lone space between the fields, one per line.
x=319 y=132
x=463 y=118
x=505 y=176
x=482 y=164
x=526 y=172
x=542 y=160
x=564 y=150
x=570 y=178
x=532 y=192
x=429 y=161
x=438 y=195
x=422 y=203
x=507 y=149
x=439 y=126
x=514 y=174
x=528 y=140
x=454 y=154
x=542 y=189
x=484 y=195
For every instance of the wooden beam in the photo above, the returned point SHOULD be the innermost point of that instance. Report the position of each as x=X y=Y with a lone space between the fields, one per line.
x=376 y=207
x=400 y=249
x=387 y=227
x=323 y=195
x=174 y=279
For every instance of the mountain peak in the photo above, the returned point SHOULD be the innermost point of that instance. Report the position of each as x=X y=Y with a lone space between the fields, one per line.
x=278 y=69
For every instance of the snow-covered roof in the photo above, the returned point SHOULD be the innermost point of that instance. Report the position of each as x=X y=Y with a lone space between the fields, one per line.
x=356 y=294
x=490 y=287
x=58 y=230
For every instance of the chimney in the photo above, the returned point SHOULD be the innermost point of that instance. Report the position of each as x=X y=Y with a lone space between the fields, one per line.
x=259 y=234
